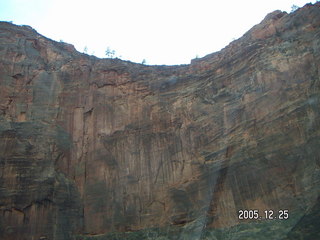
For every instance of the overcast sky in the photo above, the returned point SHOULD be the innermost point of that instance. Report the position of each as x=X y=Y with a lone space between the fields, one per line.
x=161 y=32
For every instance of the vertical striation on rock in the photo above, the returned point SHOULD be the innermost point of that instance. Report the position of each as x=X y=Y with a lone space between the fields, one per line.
x=91 y=146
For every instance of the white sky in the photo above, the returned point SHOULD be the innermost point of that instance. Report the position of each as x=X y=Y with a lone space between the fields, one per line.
x=161 y=32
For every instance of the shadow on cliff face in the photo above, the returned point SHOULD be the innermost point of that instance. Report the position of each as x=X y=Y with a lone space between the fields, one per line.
x=31 y=190
x=308 y=226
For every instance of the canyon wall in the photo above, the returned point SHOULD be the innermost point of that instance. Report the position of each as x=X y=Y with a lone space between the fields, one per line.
x=92 y=146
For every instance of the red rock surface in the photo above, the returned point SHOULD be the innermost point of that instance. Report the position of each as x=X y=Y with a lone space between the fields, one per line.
x=90 y=146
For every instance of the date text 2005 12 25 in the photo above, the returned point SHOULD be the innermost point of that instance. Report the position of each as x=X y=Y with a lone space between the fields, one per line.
x=265 y=215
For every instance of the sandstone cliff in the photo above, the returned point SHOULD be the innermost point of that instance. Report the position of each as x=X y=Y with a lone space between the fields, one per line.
x=92 y=146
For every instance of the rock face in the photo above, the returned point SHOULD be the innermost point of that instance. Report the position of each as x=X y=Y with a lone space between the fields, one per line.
x=91 y=146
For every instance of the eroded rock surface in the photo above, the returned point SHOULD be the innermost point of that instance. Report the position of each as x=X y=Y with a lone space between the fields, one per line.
x=90 y=146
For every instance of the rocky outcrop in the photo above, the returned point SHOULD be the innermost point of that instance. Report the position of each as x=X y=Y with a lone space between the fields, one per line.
x=92 y=146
